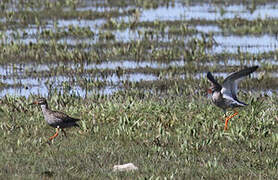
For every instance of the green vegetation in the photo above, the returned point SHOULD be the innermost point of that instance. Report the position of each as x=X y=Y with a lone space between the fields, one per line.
x=170 y=135
x=139 y=87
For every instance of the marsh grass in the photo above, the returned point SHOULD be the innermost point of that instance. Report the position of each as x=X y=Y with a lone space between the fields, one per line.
x=167 y=127
x=164 y=135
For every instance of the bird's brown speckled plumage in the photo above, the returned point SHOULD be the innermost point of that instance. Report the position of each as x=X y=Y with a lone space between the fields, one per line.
x=54 y=118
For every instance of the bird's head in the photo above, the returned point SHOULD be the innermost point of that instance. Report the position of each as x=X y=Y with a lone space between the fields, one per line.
x=209 y=91
x=40 y=101
x=212 y=90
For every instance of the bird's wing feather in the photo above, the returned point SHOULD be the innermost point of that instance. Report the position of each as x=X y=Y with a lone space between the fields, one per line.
x=64 y=117
x=230 y=84
x=234 y=101
x=215 y=84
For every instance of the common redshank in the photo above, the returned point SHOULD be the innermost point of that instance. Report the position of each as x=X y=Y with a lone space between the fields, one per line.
x=55 y=119
x=225 y=96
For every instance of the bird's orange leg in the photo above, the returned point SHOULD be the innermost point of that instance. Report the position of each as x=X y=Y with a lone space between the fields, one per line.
x=55 y=135
x=227 y=120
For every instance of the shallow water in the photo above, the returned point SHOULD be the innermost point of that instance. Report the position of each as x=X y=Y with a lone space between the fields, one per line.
x=15 y=75
x=252 y=44
x=208 y=12
x=228 y=43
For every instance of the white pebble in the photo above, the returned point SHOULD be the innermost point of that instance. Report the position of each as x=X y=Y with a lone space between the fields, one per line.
x=125 y=167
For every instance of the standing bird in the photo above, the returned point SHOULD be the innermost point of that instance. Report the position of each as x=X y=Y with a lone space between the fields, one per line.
x=55 y=119
x=225 y=96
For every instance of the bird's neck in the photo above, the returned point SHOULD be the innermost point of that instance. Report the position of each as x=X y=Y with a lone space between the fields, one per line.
x=217 y=96
x=44 y=107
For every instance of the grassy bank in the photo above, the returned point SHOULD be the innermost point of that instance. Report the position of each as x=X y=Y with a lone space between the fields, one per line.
x=165 y=135
x=141 y=87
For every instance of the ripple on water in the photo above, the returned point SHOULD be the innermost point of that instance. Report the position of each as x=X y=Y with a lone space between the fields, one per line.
x=80 y=23
x=126 y=64
x=134 y=77
x=208 y=12
x=251 y=44
x=208 y=28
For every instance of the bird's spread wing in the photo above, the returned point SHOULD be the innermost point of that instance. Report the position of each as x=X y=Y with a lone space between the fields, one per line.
x=230 y=84
x=215 y=84
x=234 y=101
x=64 y=117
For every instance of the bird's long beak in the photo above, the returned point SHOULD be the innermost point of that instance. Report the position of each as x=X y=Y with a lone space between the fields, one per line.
x=209 y=91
